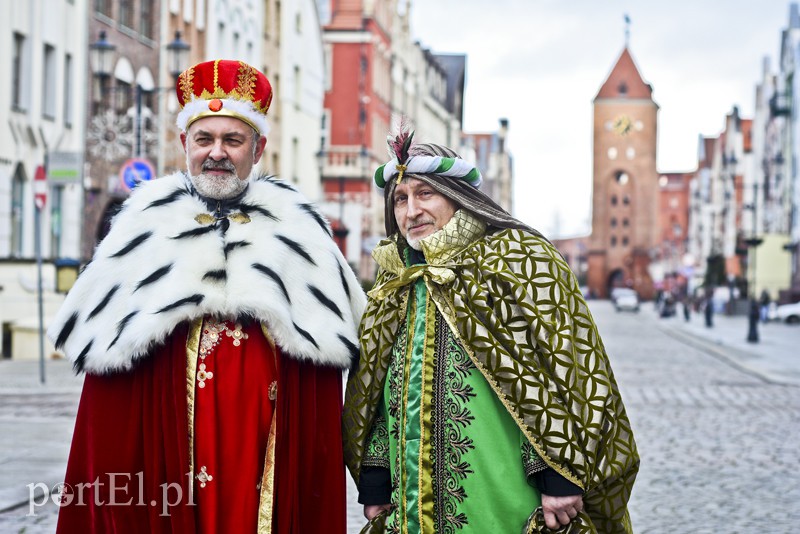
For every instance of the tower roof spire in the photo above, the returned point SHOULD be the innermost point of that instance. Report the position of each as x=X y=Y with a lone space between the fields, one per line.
x=625 y=81
x=627 y=30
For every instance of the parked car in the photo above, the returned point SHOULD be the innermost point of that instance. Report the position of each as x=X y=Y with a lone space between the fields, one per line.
x=616 y=291
x=625 y=299
x=787 y=312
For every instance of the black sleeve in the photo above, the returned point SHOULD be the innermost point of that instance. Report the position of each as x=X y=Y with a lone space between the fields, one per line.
x=374 y=486
x=550 y=482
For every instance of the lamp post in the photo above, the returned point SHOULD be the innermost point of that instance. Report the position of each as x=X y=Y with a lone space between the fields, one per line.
x=340 y=232
x=101 y=58
x=752 y=244
x=177 y=55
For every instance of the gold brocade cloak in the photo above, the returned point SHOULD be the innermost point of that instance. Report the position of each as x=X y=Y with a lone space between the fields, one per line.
x=516 y=308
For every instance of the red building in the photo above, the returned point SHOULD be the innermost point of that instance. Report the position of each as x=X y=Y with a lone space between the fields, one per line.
x=357 y=117
x=673 y=231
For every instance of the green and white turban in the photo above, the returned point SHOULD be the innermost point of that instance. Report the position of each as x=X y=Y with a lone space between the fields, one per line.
x=438 y=165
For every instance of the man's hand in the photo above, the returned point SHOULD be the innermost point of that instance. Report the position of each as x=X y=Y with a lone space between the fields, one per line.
x=371 y=510
x=559 y=511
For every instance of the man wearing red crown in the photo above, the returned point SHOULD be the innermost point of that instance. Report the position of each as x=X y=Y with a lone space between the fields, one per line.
x=213 y=325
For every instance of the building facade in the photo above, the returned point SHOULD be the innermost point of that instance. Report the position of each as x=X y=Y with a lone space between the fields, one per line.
x=672 y=268
x=123 y=105
x=374 y=72
x=625 y=183
x=495 y=162
x=41 y=128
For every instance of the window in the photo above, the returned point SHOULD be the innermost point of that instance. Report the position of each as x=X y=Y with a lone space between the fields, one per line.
x=298 y=87
x=298 y=23
x=146 y=18
x=613 y=222
x=126 y=13
x=17 y=211
x=622 y=177
x=295 y=159
x=267 y=18
x=624 y=241
x=613 y=241
x=625 y=223
x=124 y=100
x=276 y=164
x=17 y=89
x=187 y=11
x=329 y=67
x=613 y=200
x=278 y=21
x=103 y=7
x=626 y=200
x=49 y=83
x=200 y=9
x=68 y=90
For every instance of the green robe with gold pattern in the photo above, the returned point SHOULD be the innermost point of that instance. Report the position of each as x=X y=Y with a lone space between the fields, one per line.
x=477 y=369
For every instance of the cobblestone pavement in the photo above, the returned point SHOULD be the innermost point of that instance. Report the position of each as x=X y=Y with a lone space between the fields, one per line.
x=718 y=443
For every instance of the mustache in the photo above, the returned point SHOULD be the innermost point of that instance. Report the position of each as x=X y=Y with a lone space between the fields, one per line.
x=222 y=165
x=416 y=222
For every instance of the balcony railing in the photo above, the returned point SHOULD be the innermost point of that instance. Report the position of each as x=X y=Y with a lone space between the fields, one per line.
x=345 y=161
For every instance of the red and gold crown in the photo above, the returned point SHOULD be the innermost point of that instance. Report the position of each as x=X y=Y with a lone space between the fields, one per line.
x=224 y=88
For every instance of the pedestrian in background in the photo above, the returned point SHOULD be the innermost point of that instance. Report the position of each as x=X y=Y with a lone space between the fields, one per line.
x=754 y=315
x=469 y=408
x=764 y=302
x=213 y=324
x=708 y=310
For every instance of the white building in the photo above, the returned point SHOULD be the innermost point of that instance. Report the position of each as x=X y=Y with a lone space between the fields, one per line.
x=300 y=95
x=43 y=61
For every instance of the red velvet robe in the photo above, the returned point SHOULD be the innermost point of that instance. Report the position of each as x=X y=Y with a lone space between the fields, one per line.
x=132 y=435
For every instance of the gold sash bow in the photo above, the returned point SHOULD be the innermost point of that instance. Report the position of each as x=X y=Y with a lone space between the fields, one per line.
x=437 y=274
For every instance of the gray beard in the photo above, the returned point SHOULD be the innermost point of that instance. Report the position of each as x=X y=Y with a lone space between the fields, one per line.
x=416 y=244
x=218 y=187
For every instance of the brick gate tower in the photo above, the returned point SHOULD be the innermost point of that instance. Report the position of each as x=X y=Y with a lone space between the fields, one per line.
x=625 y=182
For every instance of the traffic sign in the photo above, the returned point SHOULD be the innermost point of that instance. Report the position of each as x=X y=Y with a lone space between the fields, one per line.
x=135 y=171
x=40 y=188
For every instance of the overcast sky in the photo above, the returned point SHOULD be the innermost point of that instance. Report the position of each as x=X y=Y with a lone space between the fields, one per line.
x=541 y=62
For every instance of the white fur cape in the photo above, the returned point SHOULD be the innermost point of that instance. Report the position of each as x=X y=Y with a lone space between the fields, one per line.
x=159 y=266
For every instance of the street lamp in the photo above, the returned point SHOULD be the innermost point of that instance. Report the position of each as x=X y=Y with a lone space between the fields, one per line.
x=101 y=57
x=177 y=55
x=341 y=231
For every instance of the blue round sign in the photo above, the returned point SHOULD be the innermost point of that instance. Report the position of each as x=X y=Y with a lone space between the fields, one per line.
x=135 y=171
